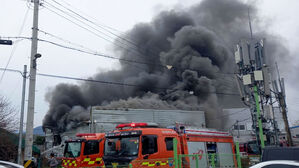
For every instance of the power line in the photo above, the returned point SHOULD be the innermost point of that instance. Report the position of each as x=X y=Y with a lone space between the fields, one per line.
x=109 y=27
x=117 y=83
x=91 y=52
x=120 y=44
x=74 y=21
x=94 y=23
x=89 y=80
x=121 y=59
x=86 y=52
x=95 y=53
x=81 y=46
x=64 y=40
x=84 y=18
x=11 y=70
x=111 y=82
x=15 y=46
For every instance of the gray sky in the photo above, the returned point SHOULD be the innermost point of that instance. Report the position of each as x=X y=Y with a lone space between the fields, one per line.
x=281 y=19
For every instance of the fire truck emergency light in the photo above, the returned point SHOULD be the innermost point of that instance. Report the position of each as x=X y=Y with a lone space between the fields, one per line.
x=86 y=135
x=132 y=125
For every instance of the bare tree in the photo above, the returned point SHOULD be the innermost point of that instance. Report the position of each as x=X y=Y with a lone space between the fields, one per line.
x=8 y=146
x=8 y=116
x=8 y=125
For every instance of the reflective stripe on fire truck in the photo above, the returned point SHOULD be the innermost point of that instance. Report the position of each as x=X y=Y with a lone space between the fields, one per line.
x=86 y=159
x=69 y=163
x=151 y=164
x=91 y=162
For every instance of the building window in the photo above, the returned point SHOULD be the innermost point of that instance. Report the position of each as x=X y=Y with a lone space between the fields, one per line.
x=241 y=127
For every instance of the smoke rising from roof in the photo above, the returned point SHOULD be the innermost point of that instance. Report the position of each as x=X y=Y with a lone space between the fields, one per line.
x=197 y=42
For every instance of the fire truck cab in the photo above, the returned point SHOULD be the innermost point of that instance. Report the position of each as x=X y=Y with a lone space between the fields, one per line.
x=146 y=145
x=84 y=151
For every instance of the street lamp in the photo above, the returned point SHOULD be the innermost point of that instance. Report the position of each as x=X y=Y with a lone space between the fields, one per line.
x=36 y=56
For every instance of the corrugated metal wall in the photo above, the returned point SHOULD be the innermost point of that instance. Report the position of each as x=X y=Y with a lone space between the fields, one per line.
x=106 y=120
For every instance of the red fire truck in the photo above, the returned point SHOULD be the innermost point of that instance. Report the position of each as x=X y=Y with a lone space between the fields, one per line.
x=146 y=145
x=84 y=151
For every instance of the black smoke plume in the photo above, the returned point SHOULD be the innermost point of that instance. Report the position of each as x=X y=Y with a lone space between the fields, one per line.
x=197 y=42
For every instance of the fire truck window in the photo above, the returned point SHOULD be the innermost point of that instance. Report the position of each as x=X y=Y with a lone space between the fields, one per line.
x=169 y=144
x=72 y=149
x=149 y=144
x=91 y=147
x=112 y=145
x=122 y=146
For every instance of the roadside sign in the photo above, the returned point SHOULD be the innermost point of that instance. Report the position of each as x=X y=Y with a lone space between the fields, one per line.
x=5 y=42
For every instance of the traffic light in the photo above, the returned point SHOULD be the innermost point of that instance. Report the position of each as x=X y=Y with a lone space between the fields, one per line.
x=5 y=42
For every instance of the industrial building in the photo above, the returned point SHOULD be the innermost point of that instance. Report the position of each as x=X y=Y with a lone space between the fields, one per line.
x=103 y=120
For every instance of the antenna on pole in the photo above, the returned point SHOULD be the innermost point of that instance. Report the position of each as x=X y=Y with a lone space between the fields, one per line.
x=277 y=70
x=249 y=20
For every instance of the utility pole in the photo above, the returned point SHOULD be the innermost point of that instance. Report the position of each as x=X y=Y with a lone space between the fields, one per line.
x=250 y=24
x=31 y=96
x=250 y=60
x=274 y=123
x=91 y=123
x=285 y=117
x=256 y=91
x=283 y=106
x=24 y=75
x=238 y=129
x=259 y=120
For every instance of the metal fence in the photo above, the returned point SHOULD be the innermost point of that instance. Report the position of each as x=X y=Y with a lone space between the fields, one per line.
x=207 y=161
